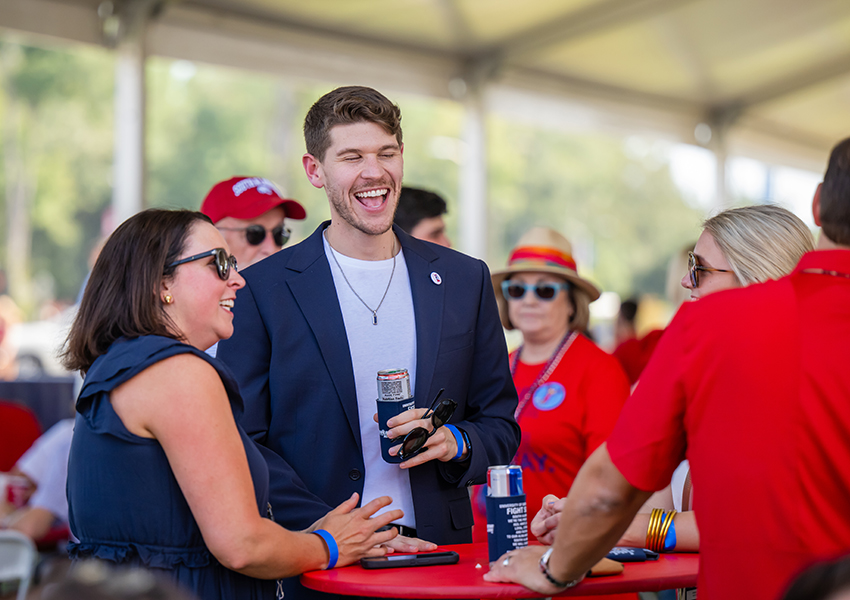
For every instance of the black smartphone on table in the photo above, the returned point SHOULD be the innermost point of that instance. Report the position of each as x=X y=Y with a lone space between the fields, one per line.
x=392 y=561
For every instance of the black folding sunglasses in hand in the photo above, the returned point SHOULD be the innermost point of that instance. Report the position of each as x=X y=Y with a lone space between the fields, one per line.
x=415 y=439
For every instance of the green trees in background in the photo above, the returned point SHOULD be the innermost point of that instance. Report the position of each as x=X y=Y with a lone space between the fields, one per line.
x=618 y=206
x=204 y=124
x=56 y=107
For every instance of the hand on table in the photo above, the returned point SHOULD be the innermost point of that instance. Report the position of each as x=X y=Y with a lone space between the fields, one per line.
x=545 y=522
x=355 y=530
x=522 y=567
x=406 y=544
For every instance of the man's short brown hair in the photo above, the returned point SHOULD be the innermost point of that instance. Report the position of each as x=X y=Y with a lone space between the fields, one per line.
x=345 y=105
x=835 y=195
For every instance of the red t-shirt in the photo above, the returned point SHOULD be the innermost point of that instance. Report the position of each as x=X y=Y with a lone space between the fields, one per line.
x=633 y=354
x=567 y=418
x=753 y=387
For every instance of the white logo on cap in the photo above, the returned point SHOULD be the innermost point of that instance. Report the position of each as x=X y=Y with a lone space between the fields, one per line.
x=435 y=277
x=263 y=185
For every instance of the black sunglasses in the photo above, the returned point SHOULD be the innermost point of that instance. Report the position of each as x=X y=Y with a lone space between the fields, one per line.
x=415 y=439
x=255 y=234
x=694 y=268
x=513 y=290
x=223 y=262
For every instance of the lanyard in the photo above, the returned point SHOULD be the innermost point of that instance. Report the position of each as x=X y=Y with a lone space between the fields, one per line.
x=547 y=370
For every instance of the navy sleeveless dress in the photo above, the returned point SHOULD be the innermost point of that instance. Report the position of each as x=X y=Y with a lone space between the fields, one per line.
x=125 y=505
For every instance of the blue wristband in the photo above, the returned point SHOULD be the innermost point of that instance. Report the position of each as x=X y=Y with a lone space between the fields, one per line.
x=458 y=439
x=333 y=550
x=670 y=540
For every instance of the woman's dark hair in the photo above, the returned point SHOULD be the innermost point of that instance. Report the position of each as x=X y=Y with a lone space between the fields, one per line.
x=121 y=298
x=99 y=580
x=835 y=195
x=821 y=581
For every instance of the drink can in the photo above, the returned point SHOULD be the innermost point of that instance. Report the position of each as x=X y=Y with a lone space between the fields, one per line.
x=17 y=490
x=504 y=480
x=393 y=384
x=507 y=520
x=394 y=397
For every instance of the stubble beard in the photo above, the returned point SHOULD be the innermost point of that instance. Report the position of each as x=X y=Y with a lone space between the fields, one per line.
x=347 y=214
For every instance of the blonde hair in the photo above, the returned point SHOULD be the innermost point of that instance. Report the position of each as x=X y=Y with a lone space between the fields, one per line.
x=760 y=242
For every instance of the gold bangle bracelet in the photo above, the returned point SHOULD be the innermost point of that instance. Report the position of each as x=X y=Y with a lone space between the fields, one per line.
x=652 y=529
x=662 y=538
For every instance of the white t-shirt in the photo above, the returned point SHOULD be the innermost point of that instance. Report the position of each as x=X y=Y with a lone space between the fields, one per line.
x=46 y=463
x=678 y=484
x=391 y=344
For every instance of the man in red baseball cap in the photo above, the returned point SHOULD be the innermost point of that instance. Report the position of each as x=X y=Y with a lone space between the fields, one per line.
x=250 y=213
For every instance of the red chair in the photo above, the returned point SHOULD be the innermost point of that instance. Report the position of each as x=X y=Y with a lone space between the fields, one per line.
x=18 y=430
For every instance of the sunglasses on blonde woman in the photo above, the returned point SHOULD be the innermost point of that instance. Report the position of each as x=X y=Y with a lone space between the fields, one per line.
x=694 y=268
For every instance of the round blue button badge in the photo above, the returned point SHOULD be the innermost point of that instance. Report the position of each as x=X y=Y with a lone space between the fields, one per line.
x=549 y=396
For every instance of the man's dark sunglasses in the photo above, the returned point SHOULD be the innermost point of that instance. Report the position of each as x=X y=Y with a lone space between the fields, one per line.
x=223 y=262
x=694 y=268
x=415 y=439
x=255 y=234
x=544 y=291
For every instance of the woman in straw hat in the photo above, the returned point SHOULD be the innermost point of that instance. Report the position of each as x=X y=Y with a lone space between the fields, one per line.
x=570 y=391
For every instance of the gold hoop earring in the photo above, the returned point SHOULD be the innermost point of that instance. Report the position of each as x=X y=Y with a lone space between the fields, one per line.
x=168 y=299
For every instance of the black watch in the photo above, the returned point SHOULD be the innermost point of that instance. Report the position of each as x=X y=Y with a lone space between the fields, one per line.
x=544 y=568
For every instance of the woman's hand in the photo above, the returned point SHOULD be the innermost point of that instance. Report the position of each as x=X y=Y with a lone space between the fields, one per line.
x=354 y=529
x=521 y=566
x=545 y=522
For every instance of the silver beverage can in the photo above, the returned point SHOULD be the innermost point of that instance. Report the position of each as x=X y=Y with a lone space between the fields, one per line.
x=507 y=519
x=394 y=397
x=504 y=481
x=393 y=384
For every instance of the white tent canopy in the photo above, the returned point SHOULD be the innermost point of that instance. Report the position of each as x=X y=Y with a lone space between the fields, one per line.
x=769 y=79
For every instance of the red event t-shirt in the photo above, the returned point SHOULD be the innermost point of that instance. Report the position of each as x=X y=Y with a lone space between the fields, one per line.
x=568 y=417
x=753 y=387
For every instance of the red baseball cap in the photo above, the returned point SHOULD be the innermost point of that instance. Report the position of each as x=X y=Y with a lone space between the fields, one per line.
x=247 y=198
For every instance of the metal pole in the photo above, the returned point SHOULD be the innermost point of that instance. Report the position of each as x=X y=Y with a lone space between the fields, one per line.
x=129 y=153
x=473 y=177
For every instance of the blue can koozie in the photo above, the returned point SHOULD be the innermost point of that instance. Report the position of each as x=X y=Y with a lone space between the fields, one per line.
x=387 y=409
x=507 y=524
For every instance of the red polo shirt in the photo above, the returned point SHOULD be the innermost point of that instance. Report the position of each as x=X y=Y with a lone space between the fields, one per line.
x=753 y=387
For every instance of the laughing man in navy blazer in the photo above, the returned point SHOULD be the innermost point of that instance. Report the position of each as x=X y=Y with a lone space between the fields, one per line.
x=316 y=321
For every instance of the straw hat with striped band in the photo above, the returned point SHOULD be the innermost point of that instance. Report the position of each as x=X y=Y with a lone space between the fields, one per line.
x=540 y=250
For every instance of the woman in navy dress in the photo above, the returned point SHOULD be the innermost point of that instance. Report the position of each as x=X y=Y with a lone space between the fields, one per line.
x=160 y=474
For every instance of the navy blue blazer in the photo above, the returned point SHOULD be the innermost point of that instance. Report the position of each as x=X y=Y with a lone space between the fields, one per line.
x=290 y=355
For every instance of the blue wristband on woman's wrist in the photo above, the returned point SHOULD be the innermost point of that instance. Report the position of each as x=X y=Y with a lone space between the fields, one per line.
x=333 y=549
x=458 y=440
x=670 y=540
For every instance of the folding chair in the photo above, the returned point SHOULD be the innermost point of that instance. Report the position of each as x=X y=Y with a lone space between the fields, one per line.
x=17 y=560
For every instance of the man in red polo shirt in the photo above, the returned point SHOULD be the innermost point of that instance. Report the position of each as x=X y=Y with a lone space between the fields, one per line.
x=752 y=386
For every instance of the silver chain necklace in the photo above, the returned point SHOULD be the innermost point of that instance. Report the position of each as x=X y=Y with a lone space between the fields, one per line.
x=351 y=287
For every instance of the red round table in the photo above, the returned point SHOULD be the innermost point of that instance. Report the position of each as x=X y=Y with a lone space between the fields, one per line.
x=464 y=580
